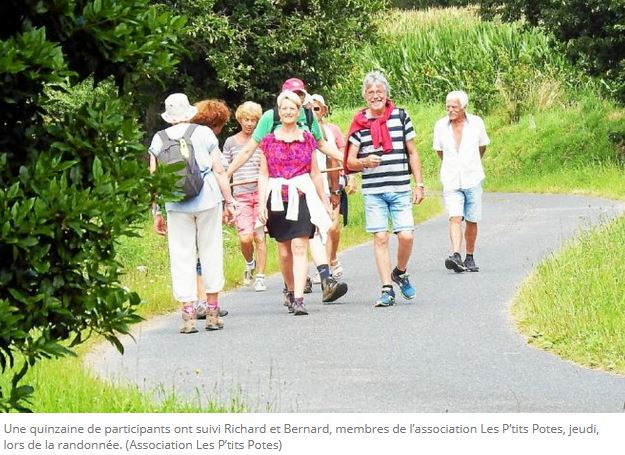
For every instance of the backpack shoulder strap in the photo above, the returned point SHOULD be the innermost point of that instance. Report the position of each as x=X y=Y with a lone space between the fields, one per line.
x=309 y=118
x=402 y=116
x=189 y=131
x=163 y=135
x=276 y=119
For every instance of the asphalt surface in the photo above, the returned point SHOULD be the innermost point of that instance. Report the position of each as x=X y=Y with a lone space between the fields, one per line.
x=453 y=348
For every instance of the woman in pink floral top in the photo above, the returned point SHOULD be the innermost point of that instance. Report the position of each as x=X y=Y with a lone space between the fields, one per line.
x=291 y=183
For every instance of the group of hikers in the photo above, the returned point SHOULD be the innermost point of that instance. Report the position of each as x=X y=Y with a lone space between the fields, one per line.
x=287 y=173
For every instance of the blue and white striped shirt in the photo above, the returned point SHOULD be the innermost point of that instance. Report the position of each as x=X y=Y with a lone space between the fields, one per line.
x=392 y=175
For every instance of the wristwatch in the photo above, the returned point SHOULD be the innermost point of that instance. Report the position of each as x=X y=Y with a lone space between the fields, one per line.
x=336 y=192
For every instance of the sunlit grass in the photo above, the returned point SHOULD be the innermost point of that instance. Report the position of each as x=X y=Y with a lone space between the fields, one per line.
x=574 y=303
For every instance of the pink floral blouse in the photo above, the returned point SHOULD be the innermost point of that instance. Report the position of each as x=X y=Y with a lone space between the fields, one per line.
x=288 y=159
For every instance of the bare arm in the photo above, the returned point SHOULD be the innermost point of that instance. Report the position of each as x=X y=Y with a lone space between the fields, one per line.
x=358 y=164
x=329 y=149
x=160 y=227
x=263 y=180
x=415 y=165
x=222 y=181
x=244 y=155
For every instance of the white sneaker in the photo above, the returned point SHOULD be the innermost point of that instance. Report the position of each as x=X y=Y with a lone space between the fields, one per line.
x=337 y=270
x=259 y=284
x=316 y=279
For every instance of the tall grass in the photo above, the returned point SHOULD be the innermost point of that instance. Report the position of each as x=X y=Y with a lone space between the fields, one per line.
x=425 y=54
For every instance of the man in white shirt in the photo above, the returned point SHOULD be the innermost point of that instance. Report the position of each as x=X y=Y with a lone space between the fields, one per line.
x=460 y=140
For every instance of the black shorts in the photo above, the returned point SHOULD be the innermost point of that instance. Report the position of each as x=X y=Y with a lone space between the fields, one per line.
x=281 y=229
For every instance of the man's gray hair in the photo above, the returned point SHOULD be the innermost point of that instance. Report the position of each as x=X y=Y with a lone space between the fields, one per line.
x=291 y=96
x=374 y=78
x=460 y=96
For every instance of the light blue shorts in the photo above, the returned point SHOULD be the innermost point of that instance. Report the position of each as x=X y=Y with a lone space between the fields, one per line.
x=465 y=202
x=396 y=206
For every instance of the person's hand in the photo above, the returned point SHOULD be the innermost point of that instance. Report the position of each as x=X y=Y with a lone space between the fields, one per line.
x=335 y=200
x=229 y=213
x=160 y=226
x=418 y=194
x=373 y=161
x=350 y=186
x=327 y=205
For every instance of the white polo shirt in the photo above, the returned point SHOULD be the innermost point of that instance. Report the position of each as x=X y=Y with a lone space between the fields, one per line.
x=462 y=167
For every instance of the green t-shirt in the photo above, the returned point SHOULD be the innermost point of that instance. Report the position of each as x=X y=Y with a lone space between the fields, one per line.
x=263 y=128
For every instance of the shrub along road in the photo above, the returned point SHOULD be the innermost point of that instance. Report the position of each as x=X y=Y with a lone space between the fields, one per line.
x=453 y=348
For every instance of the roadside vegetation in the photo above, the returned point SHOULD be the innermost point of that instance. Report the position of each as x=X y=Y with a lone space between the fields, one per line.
x=550 y=132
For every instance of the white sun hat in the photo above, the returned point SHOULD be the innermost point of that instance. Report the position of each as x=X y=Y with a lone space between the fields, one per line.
x=178 y=109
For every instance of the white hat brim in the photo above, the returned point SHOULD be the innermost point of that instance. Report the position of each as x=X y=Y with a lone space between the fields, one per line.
x=185 y=117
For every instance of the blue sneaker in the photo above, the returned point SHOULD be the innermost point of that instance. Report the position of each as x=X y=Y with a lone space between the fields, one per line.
x=387 y=298
x=406 y=289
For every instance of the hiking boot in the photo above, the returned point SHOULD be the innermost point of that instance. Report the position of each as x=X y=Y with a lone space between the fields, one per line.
x=199 y=307
x=469 y=264
x=200 y=310
x=188 y=322
x=259 y=284
x=454 y=262
x=336 y=270
x=308 y=287
x=298 y=308
x=213 y=321
x=406 y=289
x=332 y=290
x=288 y=300
x=387 y=298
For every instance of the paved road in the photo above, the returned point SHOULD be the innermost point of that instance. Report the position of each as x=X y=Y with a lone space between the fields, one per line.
x=454 y=348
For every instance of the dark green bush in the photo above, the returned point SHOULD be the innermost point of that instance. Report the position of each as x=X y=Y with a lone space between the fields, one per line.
x=71 y=178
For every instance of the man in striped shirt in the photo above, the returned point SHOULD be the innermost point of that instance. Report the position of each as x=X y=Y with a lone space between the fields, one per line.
x=381 y=145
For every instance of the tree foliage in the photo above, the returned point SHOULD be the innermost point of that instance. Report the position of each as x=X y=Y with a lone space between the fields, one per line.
x=592 y=31
x=71 y=179
x=244 y=50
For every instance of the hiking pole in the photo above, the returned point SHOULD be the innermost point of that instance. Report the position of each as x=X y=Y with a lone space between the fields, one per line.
x=243 y=182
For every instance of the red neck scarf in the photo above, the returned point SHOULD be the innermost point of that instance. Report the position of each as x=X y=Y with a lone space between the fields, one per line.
x=379 y=130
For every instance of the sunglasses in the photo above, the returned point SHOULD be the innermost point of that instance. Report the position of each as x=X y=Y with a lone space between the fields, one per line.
x=316 y=108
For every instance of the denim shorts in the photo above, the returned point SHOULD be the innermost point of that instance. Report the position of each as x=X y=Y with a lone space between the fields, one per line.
x=465 y=202
x=382 y=206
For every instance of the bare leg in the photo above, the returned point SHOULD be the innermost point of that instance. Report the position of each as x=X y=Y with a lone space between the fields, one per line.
x=261 y=252
x=201 y=289
x=404 y=248
x=382 y=257
x=470 y=234
x=286 y=263
x=455 y=233
x=299 y=251
x=334 y=236
x=246 y=243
